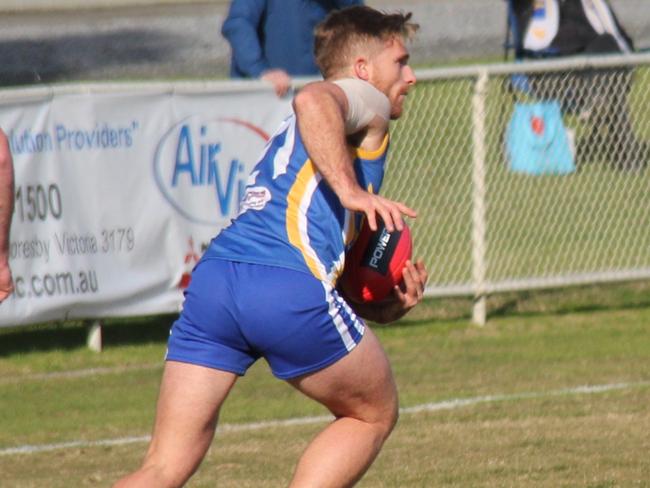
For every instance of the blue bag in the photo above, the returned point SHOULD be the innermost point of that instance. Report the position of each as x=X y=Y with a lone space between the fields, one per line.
x=537 y=142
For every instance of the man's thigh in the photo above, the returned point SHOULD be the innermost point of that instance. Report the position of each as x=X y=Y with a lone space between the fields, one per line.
x=188 y=406
x=360 y=385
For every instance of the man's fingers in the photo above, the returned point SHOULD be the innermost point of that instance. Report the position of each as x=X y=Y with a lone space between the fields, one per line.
x=401 y=296
x=392 y=219
x=414 y=277
x=412 y=281
x=390 y=212
x=372 y=220
x=409 y=212
x=396 y=211
x=422 y=272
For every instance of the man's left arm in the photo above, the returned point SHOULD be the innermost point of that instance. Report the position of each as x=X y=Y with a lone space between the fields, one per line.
x=6 y=213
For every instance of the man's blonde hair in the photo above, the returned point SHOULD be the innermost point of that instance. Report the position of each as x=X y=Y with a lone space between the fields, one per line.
x=344 y=32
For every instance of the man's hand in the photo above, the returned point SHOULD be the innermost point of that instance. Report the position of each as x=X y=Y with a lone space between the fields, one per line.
x=280 y=80
x=403 y=299
x=391 y=212
x=6 y=282
x=415 y=279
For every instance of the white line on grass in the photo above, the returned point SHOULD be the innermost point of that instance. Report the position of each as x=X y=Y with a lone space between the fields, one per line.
x=426 y=407
x=80 y=373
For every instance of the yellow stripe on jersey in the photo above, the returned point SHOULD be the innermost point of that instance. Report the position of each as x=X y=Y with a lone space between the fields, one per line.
x=298 y=201
x=374 y=154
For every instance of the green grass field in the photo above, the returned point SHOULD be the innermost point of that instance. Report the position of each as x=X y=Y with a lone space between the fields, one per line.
x=524 y=420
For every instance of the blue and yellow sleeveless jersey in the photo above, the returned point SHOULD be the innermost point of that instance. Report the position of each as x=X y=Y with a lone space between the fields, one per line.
x=289 y=216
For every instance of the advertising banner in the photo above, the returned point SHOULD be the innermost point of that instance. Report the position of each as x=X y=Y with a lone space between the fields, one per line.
x=119 y=191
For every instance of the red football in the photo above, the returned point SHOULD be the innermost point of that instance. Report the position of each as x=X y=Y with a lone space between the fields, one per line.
x=374 y=264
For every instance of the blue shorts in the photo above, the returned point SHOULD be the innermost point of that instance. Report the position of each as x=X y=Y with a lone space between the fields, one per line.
x=235 y=313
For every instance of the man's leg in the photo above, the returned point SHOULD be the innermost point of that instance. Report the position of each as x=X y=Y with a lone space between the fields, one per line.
x=186 y=418
x=360 y=391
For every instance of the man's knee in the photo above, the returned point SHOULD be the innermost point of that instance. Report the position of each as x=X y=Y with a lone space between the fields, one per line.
x=383 y=413
x=391 y=415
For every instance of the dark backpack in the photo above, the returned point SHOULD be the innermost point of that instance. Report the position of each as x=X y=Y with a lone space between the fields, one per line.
x=576 y=33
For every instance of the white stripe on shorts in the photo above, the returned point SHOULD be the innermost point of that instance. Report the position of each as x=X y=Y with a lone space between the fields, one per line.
x=335 y=304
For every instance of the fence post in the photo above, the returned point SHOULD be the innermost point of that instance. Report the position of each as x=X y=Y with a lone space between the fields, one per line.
x=94 y=337
x=479 y=312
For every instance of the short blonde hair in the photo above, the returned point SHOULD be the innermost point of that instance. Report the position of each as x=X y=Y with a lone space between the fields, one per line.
x=344 y=32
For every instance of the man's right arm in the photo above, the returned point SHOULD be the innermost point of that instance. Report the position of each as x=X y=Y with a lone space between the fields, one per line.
x=321 y=109
x=6 y=213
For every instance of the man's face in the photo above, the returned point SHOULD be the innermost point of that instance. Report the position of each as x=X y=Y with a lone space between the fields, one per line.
x=390 y=73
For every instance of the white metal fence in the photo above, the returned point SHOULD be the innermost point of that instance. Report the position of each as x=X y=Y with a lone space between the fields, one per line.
x=483 y=228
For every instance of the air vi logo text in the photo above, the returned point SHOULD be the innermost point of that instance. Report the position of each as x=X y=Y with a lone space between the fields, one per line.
x=201 y=166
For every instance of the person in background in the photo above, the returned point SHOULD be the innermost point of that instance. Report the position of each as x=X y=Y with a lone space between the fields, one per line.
x=560 y=28
x=273 y=39
x=6 y=213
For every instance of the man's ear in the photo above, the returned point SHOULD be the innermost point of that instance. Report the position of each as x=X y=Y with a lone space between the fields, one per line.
x=360 y=68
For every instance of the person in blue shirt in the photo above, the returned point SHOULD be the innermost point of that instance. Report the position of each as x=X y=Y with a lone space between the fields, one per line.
x=274 y=39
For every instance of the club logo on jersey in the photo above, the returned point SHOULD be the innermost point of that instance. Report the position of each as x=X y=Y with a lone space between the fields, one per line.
x=201 y=166
x=255 y=198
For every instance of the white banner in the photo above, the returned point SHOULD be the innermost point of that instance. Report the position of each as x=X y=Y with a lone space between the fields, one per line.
x=118 y=191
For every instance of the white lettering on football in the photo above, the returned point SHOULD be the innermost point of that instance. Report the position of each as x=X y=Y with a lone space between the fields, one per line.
x=378 y=252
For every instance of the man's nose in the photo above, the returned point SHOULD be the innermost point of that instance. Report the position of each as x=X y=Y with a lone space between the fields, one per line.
x=409 y=75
